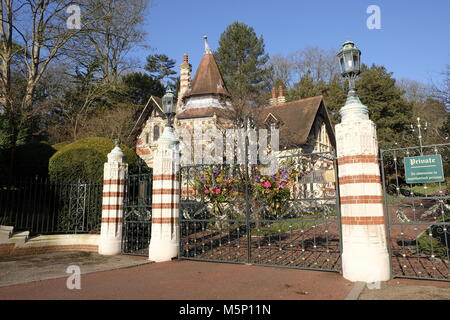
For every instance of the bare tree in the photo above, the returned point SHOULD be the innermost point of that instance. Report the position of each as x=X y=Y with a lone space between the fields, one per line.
x=116 y=123
x=319 y=62
x=282 y=70
x=414 y=90
x=443 y=92
x=35 y=32
x=115 y=27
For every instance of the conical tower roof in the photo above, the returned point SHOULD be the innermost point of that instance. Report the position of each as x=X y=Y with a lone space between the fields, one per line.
x=208 y=79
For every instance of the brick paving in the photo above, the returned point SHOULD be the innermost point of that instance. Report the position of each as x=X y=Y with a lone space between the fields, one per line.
x=190 y=280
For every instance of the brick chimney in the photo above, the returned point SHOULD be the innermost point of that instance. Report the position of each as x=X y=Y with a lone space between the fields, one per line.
x=274 y=99
x=185 y=79
x=281 y=97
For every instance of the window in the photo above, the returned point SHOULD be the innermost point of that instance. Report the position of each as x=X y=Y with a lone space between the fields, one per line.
x=156 y=132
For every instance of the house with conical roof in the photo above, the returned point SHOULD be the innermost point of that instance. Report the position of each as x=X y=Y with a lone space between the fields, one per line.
x=200 y=104
x=205 y=103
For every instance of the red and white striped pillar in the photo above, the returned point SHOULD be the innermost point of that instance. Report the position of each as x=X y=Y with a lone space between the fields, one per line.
x=365 y=255
x=164 y=243
x=114 y=173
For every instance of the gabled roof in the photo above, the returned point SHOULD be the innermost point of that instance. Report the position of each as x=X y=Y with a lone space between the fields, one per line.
x=153 y=104
x=297 y=118
x=208 y=79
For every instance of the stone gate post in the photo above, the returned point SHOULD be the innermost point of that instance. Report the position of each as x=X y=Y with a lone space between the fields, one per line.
x=114 y=173
x=164 y=243
x=365 y=255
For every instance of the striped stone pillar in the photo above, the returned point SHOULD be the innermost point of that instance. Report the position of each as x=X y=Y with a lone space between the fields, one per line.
x=114 y=173
x=365 y=256
x=164 y=243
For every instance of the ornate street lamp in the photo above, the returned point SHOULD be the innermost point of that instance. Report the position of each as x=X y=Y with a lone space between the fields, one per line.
x=169 y=106
x=350 y=63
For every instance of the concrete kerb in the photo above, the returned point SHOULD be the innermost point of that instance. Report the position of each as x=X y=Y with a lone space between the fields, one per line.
x=356 y=291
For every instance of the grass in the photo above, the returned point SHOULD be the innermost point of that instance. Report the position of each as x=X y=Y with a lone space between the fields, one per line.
x=432 y=188
x=436 y=243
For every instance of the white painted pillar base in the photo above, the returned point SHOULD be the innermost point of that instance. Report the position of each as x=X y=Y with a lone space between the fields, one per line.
x=114 y=174
x=365 y=255
x=109 y=246
x=162 y=250
x=164 y=243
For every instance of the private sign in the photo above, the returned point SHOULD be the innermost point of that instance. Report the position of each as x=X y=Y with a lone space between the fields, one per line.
x=424 y=169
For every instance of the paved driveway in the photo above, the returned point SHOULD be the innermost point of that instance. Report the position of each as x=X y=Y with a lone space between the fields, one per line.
x=190 y=280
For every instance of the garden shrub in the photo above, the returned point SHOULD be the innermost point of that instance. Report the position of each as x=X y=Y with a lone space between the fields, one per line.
x=432 y=245
x=59 y=146
x=84 y=159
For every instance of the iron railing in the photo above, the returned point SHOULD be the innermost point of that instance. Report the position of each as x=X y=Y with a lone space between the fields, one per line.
x=42 y=206
x=137 y=213
x=241 y=224
x=417 y=216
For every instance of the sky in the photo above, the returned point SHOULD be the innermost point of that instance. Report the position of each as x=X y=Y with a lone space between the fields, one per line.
x=413 y=42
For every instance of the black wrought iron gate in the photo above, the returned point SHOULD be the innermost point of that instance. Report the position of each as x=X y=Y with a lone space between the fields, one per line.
x=137 y=213
x=239 y=214
x=418 y=216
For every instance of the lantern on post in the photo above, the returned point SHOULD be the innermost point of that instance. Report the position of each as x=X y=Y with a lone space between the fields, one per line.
x=350 y=62
x=169 y=106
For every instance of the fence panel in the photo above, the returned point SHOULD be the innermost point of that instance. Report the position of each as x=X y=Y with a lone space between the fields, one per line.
x=417 y=216
x=42 y=206
x=239 y=214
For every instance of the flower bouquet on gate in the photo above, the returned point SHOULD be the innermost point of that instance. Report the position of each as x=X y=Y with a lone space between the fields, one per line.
x=217 y=187
x=275 y=190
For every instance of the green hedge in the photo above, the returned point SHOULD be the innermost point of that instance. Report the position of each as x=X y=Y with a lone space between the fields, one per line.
x=84 y=159
x=59 y=146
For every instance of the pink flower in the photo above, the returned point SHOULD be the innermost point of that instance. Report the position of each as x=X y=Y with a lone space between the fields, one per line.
x=217 y=191
x=206 y=191
x=267 y=184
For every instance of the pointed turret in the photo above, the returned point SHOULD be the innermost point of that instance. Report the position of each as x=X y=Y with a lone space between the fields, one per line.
x=208 y=79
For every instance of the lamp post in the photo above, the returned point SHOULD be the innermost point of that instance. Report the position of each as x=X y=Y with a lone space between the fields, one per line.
x=365 y=256
x=350 y=64
x=164 y=243
x=169 y=106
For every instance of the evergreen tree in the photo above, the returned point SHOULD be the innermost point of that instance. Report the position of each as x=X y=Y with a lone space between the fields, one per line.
x=242 y=61
x=335 y=97
x=391 y=113
x=306 y=88
x=140 y=87
x=160 y=66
